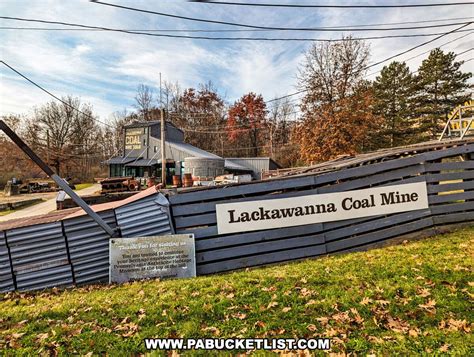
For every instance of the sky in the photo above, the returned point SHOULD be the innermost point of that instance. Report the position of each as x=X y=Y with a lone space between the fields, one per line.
x=105 y=68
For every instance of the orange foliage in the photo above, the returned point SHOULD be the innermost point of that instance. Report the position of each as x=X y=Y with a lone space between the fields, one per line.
x=337 y=129
x=246 y=121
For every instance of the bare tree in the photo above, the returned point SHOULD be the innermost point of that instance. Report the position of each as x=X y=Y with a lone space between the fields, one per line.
x=172 y=93
x=144 y=101
x=62 y=130
x=280 y=113
x=332 y=71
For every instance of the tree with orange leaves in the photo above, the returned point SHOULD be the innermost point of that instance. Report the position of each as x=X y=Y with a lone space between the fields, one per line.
x=246 y=123
x=341 y=128
x=336 y=109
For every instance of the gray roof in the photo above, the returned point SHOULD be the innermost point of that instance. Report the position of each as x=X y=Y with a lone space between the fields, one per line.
x=254 y=159
x=120 y=160
x=191 y=150
x=234 y=166
x=196 y=152
x=142 y=162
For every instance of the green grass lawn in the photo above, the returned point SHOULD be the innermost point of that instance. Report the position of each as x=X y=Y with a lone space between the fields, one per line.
x=81 y=186
x=414 y=298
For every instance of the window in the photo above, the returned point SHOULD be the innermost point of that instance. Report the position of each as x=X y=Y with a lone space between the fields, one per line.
x=116 y=170
x=155 y=149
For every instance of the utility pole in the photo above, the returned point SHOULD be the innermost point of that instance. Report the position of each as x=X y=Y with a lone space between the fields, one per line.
x=47 y=144
x=163 y=154
x=161 y=98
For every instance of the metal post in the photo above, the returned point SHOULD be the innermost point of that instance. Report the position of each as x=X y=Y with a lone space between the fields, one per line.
x=48 y=147
x=59 y=181
x=163 y=154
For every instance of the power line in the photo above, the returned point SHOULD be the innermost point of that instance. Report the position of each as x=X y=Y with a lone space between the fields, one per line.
x=100 y=28
x=384 y=60
x=254 y=147
x=233 y=30
x=265 y=27
x=428 y=51
x=52 y=95
x=329 y=6
x=463 y=52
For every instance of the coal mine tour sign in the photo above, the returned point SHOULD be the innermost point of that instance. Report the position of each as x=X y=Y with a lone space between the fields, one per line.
x=169 y=256
x=318 y=208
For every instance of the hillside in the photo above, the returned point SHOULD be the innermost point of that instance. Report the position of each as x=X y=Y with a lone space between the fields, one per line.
x=410 y=298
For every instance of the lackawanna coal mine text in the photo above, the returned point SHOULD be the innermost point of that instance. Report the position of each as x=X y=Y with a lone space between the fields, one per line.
x=347 y=204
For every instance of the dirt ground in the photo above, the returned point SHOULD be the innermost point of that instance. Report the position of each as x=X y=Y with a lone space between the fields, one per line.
x=49 y=204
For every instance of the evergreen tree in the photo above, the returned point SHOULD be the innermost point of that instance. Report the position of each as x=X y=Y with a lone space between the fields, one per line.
x=393 y=94
x=441 y=87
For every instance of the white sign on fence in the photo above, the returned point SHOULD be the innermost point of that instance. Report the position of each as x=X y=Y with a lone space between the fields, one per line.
x=297 y=211
x=170 y=256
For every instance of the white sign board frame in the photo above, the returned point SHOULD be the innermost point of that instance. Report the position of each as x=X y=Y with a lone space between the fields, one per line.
x=318 y=208
x=167 y=256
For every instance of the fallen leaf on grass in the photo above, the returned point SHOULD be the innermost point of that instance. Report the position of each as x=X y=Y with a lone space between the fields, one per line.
x=272 y=304
x=341 y=317
x=240 y=316
x=129 y=328
x=17 y=335
x=444 y=348
x=382 y=302
x=311 y=327
x=214 y=330
x=305 y=292
x=375 y=339
x=455 y=325
x=286 y=309
x=429 y=306
x=357 y=318
x=397 y=325
x=460 y=268
x=323 y=320
x=366 y=301
x=423 y=292
x=141 y=314
x=42 y=336
x=405 y=301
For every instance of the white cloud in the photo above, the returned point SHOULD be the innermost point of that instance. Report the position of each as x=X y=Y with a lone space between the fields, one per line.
x=82 y=49
x=104 y=68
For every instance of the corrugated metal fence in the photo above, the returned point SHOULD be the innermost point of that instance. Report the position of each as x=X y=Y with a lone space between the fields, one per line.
x=75 y=250
x=451 y=200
